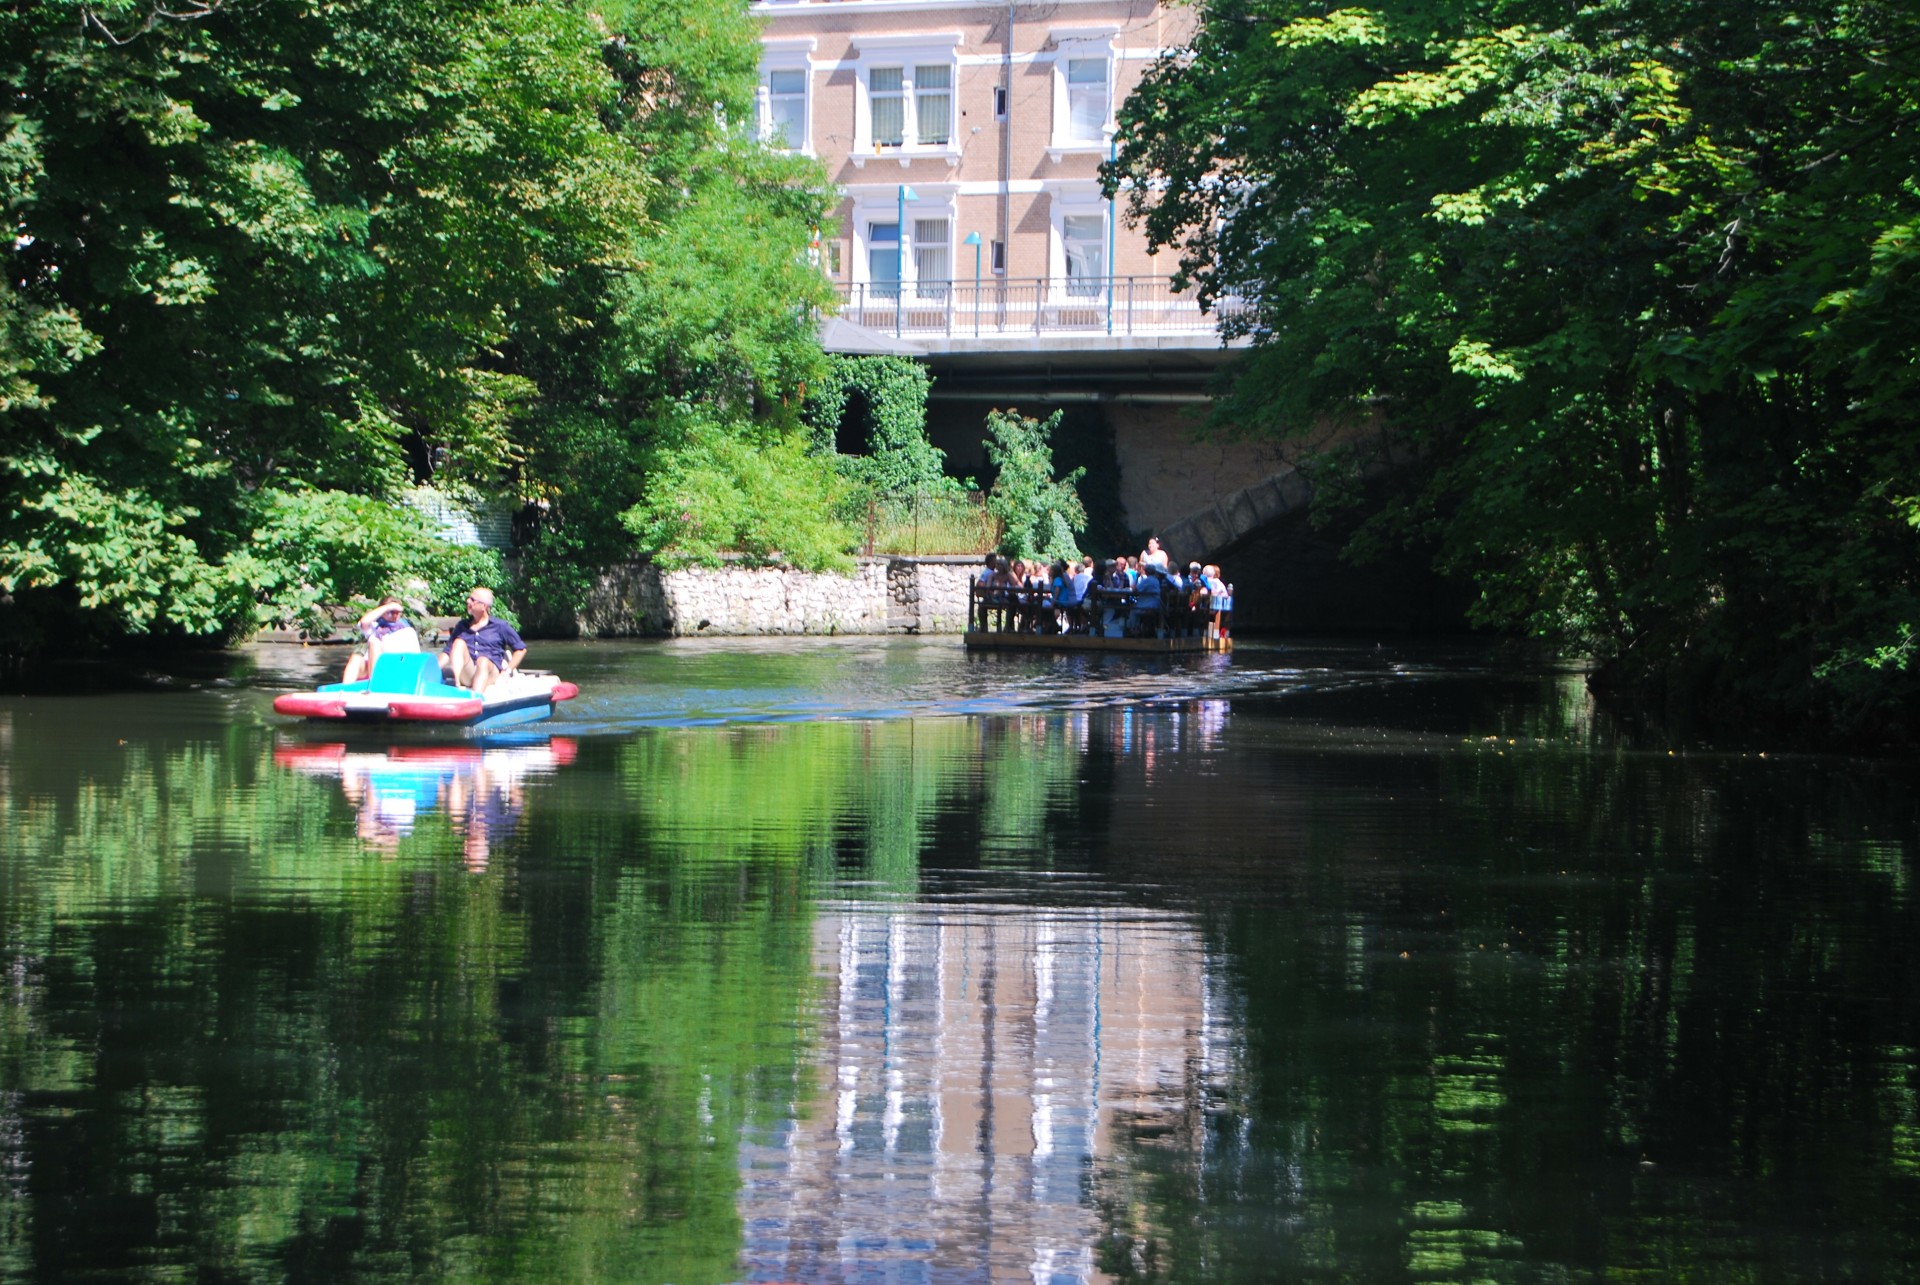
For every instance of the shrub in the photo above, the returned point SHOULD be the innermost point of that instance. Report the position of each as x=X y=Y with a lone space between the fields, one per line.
x=712 y=493
x=1042 y=515
x=313 y=548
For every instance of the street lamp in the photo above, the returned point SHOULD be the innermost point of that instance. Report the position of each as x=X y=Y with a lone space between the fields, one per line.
x=1112 y=154
x=973 y=239
x=900 y=253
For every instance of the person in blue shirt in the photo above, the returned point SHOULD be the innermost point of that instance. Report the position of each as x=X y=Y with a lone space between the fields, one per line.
x=481 y=649
x=386 y=629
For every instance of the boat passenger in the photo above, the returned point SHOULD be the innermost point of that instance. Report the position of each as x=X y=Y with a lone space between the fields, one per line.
x=1060 y=586
x=1175 y=618
x=386 y=629
x=1004 y=591
x=1112 y=598
x=983 y=586
x=1196 y=591
x=1220 y=601
x=481 y=649
x=1145 y=618
x=1039 y=598
x=1082 y=582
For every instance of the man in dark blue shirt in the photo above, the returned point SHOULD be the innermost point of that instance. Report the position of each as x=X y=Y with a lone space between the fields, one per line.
x=480 y=648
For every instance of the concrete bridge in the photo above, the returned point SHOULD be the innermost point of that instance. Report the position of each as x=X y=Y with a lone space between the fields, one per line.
x=1135 y=402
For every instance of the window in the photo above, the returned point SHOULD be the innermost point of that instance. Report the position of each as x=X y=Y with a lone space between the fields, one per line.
x=785 y=119
x=999 y=257
x=999 y=102
x=933 y=104
x=1084 y=70
x=932 y=266
x=886 y=91
x=1084 y=238
x=903 y=102
x=883 y=259
x=833 y=258
x=781 y=109
x=1086 y=99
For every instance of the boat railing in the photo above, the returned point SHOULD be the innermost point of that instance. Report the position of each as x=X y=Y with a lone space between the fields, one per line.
x=1102 y=613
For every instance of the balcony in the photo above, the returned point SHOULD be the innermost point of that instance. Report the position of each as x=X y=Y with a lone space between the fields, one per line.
x=1058 y=313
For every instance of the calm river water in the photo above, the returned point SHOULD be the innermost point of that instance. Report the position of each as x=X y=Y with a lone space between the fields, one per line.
x=865 y=961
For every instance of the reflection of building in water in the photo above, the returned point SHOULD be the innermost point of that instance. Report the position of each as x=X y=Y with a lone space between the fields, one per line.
x=1164 y=728
x=480 y=786
x=976 y=1064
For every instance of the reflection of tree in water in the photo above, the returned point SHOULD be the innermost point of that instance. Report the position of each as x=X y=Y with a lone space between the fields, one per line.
x=1647 y=1015
x=364 y=1062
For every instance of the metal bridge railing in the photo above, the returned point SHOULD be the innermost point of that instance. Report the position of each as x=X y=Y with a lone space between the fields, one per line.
x=1003 y=308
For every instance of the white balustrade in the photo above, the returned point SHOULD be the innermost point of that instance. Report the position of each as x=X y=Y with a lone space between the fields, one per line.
x=1009 y=308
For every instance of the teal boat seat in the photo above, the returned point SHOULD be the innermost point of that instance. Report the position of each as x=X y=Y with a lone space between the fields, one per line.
x=405 y=674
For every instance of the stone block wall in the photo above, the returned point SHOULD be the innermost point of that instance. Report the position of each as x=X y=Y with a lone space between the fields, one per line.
x=882 y=596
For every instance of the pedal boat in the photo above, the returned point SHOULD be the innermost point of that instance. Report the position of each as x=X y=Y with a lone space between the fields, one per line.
x=406 y=689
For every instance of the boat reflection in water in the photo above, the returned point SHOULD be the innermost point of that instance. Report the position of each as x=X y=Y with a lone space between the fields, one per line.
x=481 y=787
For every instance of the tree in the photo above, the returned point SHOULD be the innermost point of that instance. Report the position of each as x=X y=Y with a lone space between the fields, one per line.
x=1631 y=281
x=273 y=249
x=1041 y=515
x=707 y=344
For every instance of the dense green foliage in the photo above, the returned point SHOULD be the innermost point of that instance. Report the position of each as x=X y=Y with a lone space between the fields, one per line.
x=713 y=491
x=1040 y=515
x=869 y=413
x=883 y=400
x=318 y=547
x=1634 y=283
x=261 y=251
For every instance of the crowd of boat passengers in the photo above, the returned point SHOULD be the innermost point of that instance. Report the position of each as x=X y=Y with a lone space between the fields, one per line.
x=1143 y=596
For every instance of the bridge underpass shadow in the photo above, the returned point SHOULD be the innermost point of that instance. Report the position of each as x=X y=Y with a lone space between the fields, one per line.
x=1290 y=577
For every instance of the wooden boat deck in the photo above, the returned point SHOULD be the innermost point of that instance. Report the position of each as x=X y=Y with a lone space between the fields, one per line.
x=994 y=640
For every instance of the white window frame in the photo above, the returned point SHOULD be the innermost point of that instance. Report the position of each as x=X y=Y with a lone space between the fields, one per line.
x=793 y=54
x=1070 y=44
x=931 y=292
x=920 y=49
x=1073 y=199
x=881 y=204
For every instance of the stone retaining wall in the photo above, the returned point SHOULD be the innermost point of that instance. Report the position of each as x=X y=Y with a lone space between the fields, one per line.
x=882 y=596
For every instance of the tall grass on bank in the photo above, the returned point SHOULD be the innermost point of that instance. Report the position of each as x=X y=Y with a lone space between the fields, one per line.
x=929 y=524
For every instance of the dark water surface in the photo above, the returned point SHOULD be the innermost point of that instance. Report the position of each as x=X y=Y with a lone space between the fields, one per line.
x=850 y=961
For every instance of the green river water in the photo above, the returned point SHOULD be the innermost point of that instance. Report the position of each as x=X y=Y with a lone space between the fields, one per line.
x=866 y=961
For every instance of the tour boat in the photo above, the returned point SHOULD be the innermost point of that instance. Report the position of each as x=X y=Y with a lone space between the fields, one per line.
x=406 y=688
x=1016 y=618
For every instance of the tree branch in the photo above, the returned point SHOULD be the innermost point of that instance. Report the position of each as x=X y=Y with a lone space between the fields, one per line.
x=192 y=11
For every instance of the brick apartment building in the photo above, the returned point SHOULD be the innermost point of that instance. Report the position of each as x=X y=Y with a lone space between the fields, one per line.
x=964 y=138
